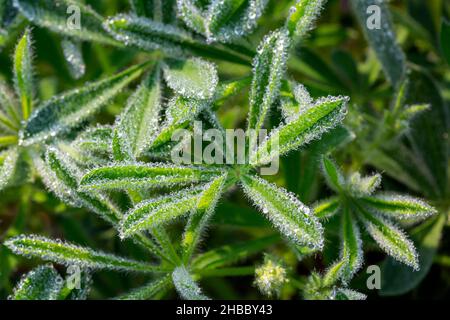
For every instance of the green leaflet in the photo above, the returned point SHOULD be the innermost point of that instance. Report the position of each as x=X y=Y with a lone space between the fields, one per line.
x=192 y=15
x=159 y=211
x=68 y=17
x=397 y=279
x=139 y=121
x=333 y=174
x=229 y=254
x=180 y=113
x=187 y=288
x=147 y=34
x=326 y=114
x=333 y=273
x=381 y=37
x=61 y=176
x=69 y=109
x=390 y=238
x=148 y=291
x=41 y=283
x=227 y=89
x=294 y=220
x=302 y=17
x=351 y=251
x=199 y=219
x=68 y=254
x=327 y=208
x=228 y=20
x=126 y=176
x=191 y=78
x=8 y=161
x=150 y=35
x=268 y=69
x=23 y=73
x=399 y=206
x=348 y=294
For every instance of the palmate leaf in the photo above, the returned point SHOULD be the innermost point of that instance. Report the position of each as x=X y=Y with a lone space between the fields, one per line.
x=139 y=121
x=8 y=161
x=187 y=288
x=23 y=73
x=153 y=175
x=399 y=206
x=228 y=20
x=147 y=34
x=382 y=38
x=303 y=16
x=69 y=109
x=161 y=210
x=191 y=78
x=60 y=16
x=200 y=218
x=351 y=250
x=390 y=238
x=69 y=254
x=326 y=114
x=41 y=283
x=293 y=219
x=268 y=69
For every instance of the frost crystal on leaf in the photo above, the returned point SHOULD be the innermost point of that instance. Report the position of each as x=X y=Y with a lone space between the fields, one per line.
x=191 y=78
x=74 y=57
x=186 y=286
x=42 y=283
x=294 y=220
x=57 y=251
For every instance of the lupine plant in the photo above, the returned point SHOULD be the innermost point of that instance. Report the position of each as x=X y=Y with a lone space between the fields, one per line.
x=176 y=222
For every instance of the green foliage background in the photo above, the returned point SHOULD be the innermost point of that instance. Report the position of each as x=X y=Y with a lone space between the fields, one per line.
x=334 y=59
